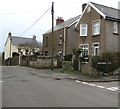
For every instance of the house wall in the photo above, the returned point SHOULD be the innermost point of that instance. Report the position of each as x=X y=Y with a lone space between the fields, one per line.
x=112 y=40
x=71 y=39
x=89 y=17
x=57 y=47
x=7 y=49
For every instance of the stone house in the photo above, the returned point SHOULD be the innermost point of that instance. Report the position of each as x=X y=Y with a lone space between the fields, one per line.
x=65 y=37
x=19 y=45
x=98 y=29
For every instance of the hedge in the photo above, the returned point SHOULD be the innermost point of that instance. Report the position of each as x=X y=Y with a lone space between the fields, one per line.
x=107 y=62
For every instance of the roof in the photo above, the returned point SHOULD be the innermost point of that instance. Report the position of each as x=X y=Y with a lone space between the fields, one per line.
x=66 y=23
x=108 y=11
x=21 y=41
x=105 y=11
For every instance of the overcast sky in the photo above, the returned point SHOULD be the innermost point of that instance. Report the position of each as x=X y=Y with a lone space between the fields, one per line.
x=18 y=15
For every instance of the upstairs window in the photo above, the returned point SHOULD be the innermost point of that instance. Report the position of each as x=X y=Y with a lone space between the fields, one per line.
x=115 y=28
x=60 y=41
x=83 y=29
x=96 y=27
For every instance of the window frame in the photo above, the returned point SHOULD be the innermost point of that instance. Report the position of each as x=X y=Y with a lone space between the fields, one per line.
x=84 y=45
x=94 y=48
x=115 y=29
x=86 y=29
x=93 y=32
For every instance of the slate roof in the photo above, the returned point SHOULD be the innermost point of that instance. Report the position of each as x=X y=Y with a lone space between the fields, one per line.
x=64 y=24
x=17 y=41
x=108 y=11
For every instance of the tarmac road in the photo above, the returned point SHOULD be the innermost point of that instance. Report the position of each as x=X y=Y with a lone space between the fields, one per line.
x=28 y=87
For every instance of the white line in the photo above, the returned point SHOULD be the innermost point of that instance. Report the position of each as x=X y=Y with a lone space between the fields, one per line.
x=78 y=81
x=2 y=81
x=116 y=88
x=100 y=87
x=92 y=84
x=111 y=89
x=84 y=83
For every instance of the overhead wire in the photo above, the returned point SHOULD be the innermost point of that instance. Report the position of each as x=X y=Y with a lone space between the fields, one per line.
x=35 y=21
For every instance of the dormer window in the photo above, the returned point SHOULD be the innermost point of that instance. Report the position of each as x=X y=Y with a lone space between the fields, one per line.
x=115 y=28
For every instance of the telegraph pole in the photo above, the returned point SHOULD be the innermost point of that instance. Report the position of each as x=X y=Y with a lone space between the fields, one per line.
x=52 y=12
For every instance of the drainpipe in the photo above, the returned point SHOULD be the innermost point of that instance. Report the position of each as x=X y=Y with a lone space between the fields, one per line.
x=64 y=46
x=9 y=34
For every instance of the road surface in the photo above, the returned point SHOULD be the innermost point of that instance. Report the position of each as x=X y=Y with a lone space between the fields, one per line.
x=22 y=88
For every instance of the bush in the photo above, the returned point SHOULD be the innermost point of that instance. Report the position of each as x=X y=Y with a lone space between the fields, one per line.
x=107 y=62
x=68 y=57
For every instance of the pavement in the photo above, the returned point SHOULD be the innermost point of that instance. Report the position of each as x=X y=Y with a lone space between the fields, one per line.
x=56 y=74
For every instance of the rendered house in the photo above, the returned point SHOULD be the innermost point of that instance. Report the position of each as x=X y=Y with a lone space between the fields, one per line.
x=64 y=37
x=98 y=29
x=19 y=45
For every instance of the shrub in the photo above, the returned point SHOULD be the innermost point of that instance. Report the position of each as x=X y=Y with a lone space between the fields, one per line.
x=107 y=62
x=68 y=57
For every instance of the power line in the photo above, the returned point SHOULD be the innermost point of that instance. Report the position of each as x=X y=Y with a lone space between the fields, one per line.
x=35 y=22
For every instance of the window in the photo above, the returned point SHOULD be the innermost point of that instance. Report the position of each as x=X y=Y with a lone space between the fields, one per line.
x=88 y=9
x=85 y=49
x=83 y=29
x=60 y=41
x=115 y=29
x=46 y=52
x=96 y=49
x=60 y=52
x=96 y=27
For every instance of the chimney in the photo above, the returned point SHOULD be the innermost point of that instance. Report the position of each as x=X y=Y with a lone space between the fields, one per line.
x=9 y=34
x=83 y=6
x=59 y=20
x=34 y=37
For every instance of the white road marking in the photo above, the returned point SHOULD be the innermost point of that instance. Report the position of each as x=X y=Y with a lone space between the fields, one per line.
x=100 y=87
x=92 y=84
x=78 y=81
x=110 y=88
x=2 y=81
x=84 y=83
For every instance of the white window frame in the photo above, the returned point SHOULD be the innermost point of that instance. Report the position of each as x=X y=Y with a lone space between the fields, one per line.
x=94 y=48
x=60 y=41
x=93 y=33
x=84 y=45
x=86 y=29
x=115 y=27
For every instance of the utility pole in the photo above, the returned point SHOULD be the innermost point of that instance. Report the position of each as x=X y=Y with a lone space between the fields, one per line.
x=52 y=12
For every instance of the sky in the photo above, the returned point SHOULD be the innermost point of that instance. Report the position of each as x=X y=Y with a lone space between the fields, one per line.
x=16 y=16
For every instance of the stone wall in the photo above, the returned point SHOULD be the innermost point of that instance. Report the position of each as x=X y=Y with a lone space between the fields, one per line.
x=42 y=63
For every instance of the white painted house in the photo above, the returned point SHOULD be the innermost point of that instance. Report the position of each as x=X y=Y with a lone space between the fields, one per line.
x=20 y=45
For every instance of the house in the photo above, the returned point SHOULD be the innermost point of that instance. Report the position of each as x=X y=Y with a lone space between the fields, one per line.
x=20 y=45
x=64 y=39
x=98 y=29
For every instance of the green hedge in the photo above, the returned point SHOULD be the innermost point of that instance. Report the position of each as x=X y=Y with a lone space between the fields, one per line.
x=107 y=62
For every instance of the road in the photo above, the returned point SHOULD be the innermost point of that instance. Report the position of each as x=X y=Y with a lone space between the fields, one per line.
x=22 y=88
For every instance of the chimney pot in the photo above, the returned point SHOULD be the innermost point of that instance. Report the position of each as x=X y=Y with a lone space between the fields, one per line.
x=83 y=6
x=34 y=37
x=9 y=34
x=59 y=20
